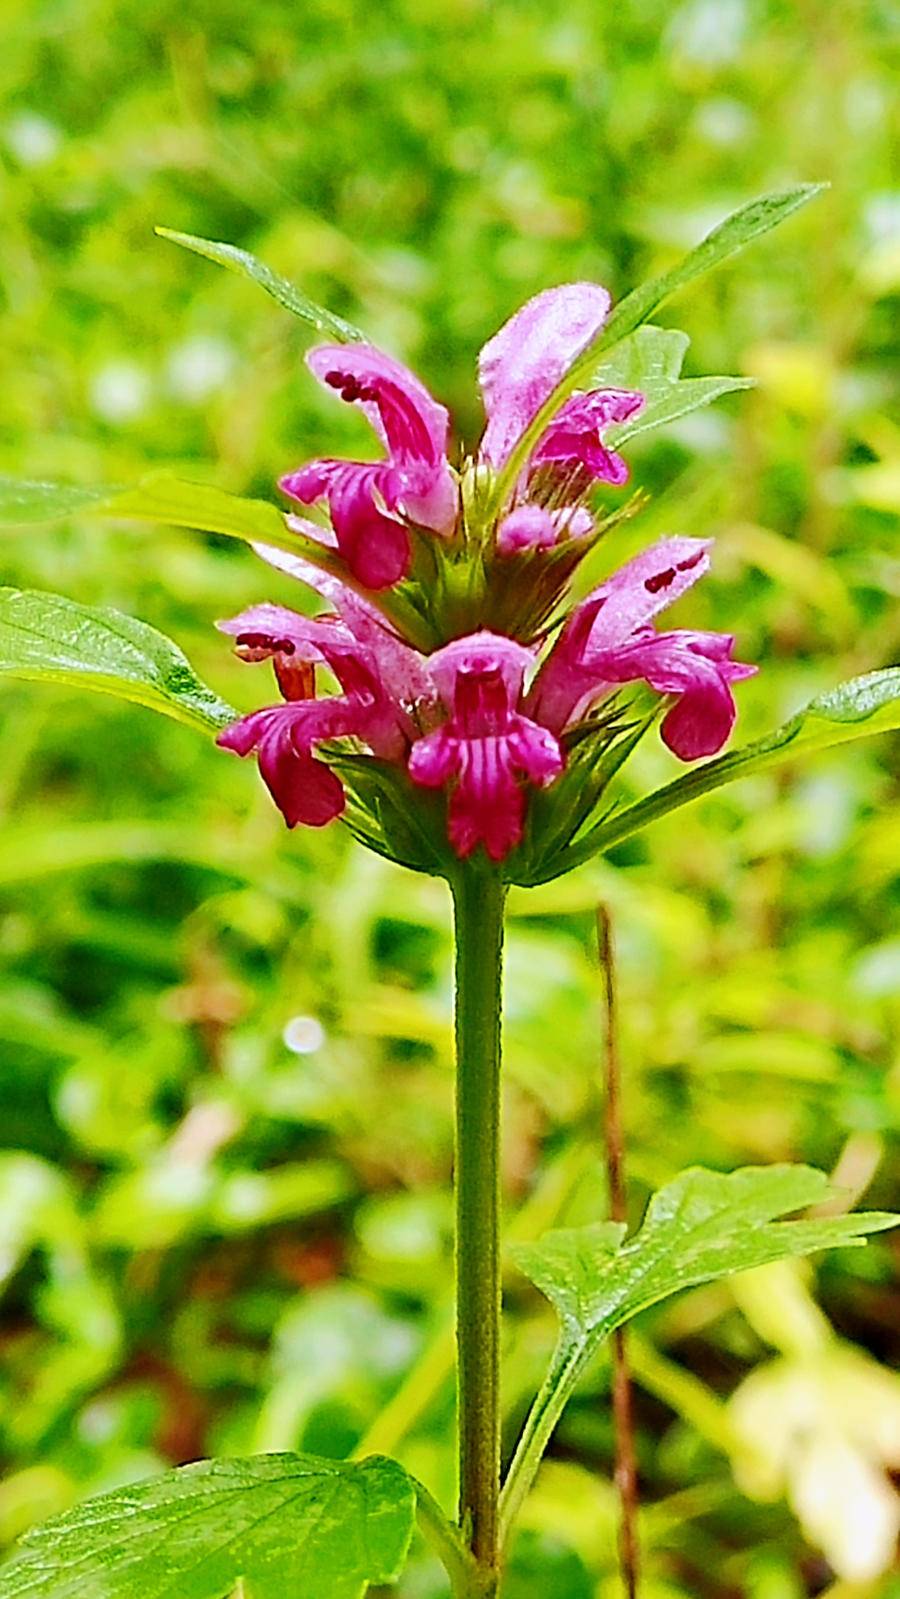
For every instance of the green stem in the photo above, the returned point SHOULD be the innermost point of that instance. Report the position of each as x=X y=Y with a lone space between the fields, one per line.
x=565 y=1367
x=478 y=900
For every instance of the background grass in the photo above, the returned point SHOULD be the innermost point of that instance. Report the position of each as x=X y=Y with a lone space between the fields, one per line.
x=224 y=1050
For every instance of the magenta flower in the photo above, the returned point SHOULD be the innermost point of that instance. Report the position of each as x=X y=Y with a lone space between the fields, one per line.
x=486 y=716
x=285 y=736
x=487 y=749
x=608 y=640
x=371 y=503
x=521 y=366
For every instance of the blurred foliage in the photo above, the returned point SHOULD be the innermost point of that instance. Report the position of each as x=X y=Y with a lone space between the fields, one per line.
x=225 y=1051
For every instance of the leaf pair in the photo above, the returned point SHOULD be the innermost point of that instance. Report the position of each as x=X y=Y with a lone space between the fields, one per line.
x=739 y=229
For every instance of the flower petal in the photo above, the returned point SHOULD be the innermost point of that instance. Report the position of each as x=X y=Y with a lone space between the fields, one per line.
x=614 y=616
x=702 y=718
x=434 y=759
x=398 y=667
x=522 y=364
x=409 y=422
x=642 y=588
x=476 y=655
x=487 y=746
x=487 y=806
x=304 y=789
x=374 y=544
x=574 y=436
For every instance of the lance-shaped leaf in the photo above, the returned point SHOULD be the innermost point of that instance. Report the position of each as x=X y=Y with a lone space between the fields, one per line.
x=159 y=497
x=281 y=289
x=278 y=1524
x=864 y=705
x=162 y=497
x=650 y=361
x=48 y=637
x=704 y=1225
x=739 y=229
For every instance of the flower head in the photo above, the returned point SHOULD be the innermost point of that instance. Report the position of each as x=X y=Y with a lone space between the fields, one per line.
x=481 y=707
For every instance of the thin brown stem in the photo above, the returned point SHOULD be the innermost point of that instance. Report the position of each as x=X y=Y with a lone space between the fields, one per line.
x=623 y=1417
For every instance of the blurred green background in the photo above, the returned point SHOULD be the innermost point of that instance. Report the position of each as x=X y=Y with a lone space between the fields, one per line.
x=224 y=1050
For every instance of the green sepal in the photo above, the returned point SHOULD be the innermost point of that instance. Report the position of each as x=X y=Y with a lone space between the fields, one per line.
x=392 y=815
x=557 y=817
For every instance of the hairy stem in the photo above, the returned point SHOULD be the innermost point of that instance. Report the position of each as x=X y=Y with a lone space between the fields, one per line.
x=478 y=899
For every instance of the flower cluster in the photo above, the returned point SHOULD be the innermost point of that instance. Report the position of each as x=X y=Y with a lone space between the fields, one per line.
x=460 y=703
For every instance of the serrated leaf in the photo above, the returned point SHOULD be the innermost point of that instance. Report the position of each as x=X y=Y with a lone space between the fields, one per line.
x=281 y=289
x=564 y=1263
x=280 y=1524
x=739 y=229
x=48 y=637
x=702 y=1226
x=650 y=361
x=862 y=706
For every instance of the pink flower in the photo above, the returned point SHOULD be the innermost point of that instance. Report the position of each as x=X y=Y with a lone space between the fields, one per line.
x=521 y=366
x=487 y=748
x=285 y=736
x=372 y=503
x=608 y=640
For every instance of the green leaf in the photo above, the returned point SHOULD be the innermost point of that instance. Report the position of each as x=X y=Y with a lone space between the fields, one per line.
x=48 y=637
x=864 y=705
x=738 y=230
x=285 y=292
x=23 y=503
x=162 y=497
x=281 y=1524
x=650 y=360
x=159 y=497
x=749 y=222
x=704 y=1225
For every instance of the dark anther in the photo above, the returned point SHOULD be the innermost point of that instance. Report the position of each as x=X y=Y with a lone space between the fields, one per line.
x=692 y=561
x=660 y=580
x=264 y=642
